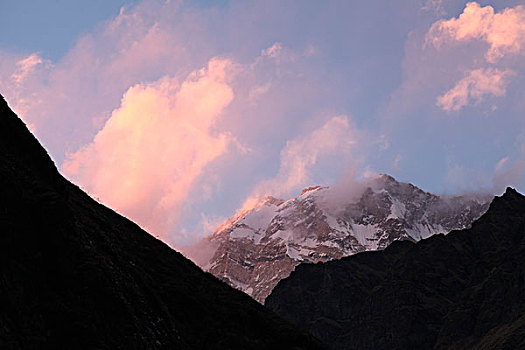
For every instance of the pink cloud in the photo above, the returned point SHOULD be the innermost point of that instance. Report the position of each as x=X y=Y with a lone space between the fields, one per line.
x=502 y=162
x=25 y=67
x=473 y=87
x=74 y=96
x=155 y=145
x=300 y=156
x=74 y=104
x=504 y=32
x=460 y=61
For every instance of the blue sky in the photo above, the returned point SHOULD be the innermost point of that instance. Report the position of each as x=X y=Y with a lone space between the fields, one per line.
x=178 y=113
x=52 y=27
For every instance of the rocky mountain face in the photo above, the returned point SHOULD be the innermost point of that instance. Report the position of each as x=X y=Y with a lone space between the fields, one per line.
x=259 y=247
x=76 y=275
x=465 y=290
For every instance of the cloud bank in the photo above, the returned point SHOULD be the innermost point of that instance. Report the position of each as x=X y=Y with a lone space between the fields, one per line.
x=176 y=113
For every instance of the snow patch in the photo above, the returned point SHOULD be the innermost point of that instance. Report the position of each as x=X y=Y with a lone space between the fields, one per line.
x=292 y=252
x=397 y=210
x=424 y=230
x=237 y=284
x=259 y=219
x=244 y=232
x=365 y=235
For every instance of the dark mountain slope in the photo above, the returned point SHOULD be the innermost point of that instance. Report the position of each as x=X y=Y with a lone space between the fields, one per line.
x=465 y=290
x=74 y=274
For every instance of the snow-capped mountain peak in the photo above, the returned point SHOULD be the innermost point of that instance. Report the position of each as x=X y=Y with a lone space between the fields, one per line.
x=261 y=245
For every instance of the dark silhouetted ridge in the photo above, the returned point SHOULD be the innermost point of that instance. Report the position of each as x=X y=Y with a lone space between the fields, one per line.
x=465 y=290
x=74 y=274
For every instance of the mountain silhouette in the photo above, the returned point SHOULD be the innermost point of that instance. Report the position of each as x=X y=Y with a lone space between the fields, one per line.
x=75 y=274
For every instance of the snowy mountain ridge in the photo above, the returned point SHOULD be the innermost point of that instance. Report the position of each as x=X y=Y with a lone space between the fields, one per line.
x=262 y=245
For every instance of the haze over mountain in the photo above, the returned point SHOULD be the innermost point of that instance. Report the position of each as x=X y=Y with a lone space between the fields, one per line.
x=464 y=290
x=261 y=245
x=74 y=274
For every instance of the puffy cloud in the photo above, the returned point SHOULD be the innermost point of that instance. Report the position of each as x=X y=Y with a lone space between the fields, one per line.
x=71 y=99
x=300 y=156
x=474 y=86
x=504 y=32
x=155 y=145
x=468 y=52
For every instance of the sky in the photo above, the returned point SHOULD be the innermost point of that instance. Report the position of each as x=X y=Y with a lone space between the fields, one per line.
x=179 y=113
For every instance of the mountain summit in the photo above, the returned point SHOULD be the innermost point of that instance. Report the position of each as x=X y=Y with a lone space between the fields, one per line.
x=75 y=275
x=259 y=247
